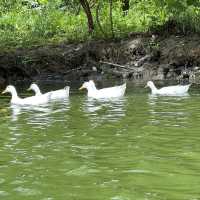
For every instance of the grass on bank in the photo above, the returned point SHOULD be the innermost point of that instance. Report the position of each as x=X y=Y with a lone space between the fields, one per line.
x=22 y=26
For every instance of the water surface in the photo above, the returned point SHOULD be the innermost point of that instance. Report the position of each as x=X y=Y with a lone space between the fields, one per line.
x=139 y=147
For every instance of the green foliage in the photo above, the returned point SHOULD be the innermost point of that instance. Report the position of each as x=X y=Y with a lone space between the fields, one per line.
x=30 y=22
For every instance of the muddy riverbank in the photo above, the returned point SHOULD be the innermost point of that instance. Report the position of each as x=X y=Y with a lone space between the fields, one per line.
x=137 y=58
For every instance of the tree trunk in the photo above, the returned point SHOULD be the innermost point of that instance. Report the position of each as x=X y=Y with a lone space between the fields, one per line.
x=86 y=7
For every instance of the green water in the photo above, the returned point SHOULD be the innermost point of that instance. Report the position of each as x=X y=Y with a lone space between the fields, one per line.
x=139 y=147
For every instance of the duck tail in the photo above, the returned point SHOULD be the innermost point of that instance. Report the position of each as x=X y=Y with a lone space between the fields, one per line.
x=189 y=86
x=67 y=88
x=124 y=88
x=124 y=85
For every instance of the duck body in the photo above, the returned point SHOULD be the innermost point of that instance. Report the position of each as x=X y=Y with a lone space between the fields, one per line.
x=31 y=100
x=110 y=92
x=34 y=100
x=170 y=90
x=60 y=94
x=57 y=94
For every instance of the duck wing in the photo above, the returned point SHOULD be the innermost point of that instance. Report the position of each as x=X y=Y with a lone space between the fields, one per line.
x=62 y=93
x=35 y=100
x=177 y=89
x=110 y=92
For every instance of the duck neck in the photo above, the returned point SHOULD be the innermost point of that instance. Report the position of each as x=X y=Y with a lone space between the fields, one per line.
x=14 y=94
x=37 y=91
x=153 y=88
x=92 y=89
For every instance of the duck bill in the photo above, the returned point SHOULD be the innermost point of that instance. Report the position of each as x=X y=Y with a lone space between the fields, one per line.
x=4 y=91
x=146 y=86
x=28 y=89
x=81 y=88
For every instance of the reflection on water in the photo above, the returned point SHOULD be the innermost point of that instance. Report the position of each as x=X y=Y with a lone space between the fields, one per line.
x=102 y=110
x=168 y=110
x=36 y=112
x=40 y=116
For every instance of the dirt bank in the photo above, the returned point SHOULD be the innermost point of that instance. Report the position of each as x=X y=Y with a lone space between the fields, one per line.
x=139 y=57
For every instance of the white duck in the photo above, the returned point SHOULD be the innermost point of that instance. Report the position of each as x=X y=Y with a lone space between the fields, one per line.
x=57 y=94
x=110 y=92
x=34 y=100
x=170 y=90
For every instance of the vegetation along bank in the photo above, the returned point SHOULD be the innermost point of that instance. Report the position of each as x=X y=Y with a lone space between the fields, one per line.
x=76 y=39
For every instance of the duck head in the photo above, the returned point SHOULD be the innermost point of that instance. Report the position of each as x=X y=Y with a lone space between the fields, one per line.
x=9 y=89
x=88 y=85
x=150 y=84
x=35 y=88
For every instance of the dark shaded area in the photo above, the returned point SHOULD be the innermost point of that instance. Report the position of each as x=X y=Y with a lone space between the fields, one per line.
x=125 y=5
x=138 y=58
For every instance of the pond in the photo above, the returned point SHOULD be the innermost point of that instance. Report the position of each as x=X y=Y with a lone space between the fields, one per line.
x=137 y=147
